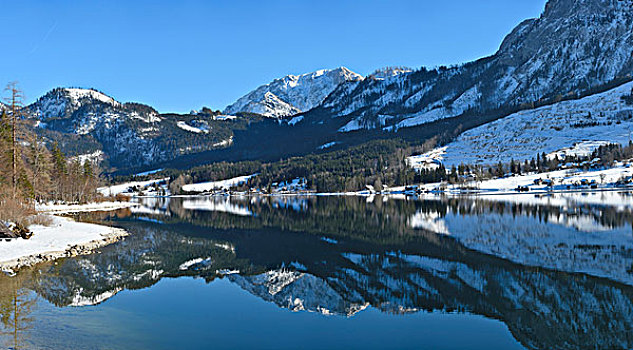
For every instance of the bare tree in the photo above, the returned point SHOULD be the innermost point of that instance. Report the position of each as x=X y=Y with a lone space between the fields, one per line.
x=14 y=101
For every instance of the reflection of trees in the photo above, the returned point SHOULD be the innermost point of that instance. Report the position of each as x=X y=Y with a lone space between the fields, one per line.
x=17 y=303
x=378 y=220
x=350 y=217
x=607 y=215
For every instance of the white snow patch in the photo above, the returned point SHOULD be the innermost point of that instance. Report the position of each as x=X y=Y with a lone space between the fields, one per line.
x=215 y=185
x=184 y=126
x=328 y=145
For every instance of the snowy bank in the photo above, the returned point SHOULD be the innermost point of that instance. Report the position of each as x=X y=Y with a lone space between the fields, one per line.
x=77 y=208
x=64 y=238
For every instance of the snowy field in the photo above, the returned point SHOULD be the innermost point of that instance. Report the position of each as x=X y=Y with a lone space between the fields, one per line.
x=576 y=127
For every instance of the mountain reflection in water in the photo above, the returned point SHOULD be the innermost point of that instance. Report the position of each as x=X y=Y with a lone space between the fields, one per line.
x=557 y=270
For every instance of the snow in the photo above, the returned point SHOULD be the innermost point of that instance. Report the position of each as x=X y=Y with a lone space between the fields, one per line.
x=95 y=156
x=352 y=125
x=62 y=235
x=299 y=291
x=576 y=126
x=224 y=143
x=328 y=145
x=562 y=180
x=329 y=240
x=429 y=161
x=224 y=117
x=465 y=101
x=220 y=184
x=76 y=208
x=216 y=204
x=198 y=130
x=188 y=264
x=149 y=172
x=80 y=300
x=78 y=94
x=295 y=120
x=580 y=149
x=127 y=186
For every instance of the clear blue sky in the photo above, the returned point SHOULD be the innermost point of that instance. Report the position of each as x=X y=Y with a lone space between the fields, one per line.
x=181 y=55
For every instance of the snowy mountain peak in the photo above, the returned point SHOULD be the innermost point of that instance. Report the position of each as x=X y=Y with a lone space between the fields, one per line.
x=62 y=102
x=79 y=94
x=292 y=94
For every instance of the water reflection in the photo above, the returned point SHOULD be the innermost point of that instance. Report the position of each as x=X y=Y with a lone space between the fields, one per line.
x=557 y=271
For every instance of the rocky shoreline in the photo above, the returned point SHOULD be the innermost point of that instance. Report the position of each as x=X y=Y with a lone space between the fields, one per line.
x=62 y=241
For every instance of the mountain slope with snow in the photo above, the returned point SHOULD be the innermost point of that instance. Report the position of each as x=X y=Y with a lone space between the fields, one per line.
x=577 y=126
x=292 y=94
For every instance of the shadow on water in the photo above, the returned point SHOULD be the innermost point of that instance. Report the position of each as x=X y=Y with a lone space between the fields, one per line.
x=557 y=271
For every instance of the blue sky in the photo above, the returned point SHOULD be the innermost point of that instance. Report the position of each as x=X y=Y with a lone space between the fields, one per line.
x=178 y=56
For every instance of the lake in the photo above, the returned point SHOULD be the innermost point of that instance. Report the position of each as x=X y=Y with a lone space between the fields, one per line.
x=505 y=272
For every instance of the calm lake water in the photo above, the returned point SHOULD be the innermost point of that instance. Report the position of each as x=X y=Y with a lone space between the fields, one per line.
x=511 y=272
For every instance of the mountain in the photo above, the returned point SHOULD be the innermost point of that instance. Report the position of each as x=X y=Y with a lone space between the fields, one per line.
x=292 y=94
x=86 y=121
x=574 y=48
x=578 y=125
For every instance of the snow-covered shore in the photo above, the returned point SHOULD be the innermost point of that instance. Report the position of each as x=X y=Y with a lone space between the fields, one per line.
x=77 y=208
x=64 y=238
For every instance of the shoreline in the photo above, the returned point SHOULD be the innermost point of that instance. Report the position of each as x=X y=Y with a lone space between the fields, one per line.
x=451 y=193
x=66 y=237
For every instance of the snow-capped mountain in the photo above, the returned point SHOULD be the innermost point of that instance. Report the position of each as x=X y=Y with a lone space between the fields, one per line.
x=81 y=111
x=85 y=121
x=575 y=47
x=292 y=94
